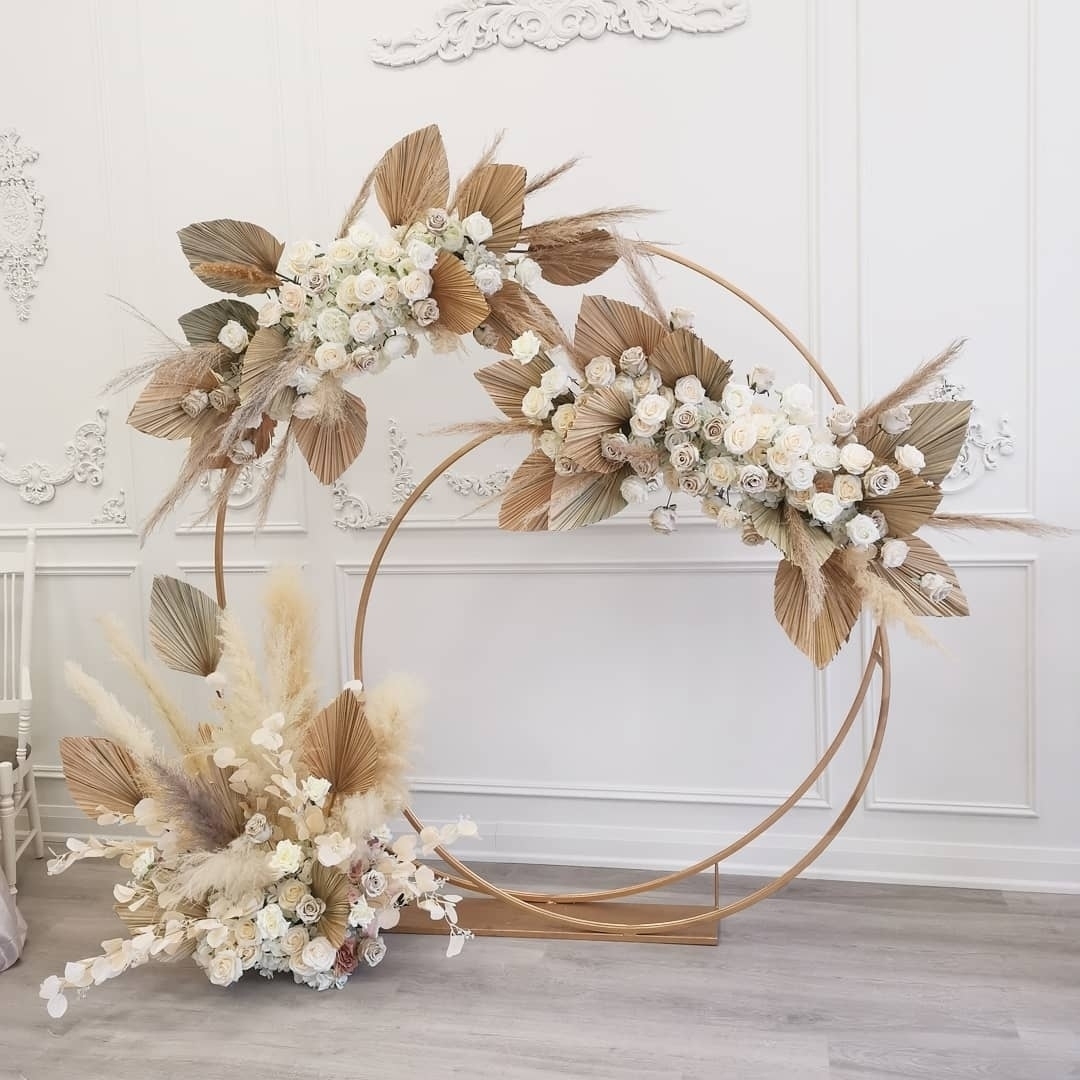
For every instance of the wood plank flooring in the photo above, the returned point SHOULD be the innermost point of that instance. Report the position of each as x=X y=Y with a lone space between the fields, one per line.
x=827 y=981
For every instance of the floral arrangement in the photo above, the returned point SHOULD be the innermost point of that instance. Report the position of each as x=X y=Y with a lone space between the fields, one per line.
x=267 y=849
x=643 y=404
x=451 y=264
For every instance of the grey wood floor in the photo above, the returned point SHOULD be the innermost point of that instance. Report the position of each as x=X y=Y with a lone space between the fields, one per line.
x=827 y=980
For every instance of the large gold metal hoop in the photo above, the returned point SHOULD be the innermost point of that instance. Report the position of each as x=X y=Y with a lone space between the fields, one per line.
x=545 y=906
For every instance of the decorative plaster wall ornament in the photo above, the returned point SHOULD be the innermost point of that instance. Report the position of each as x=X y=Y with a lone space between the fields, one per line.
x=37 y=482
x=355 y=513
x=404 y=481
x=982 y=452
x=113 y=511
x=22 y=223
x=484 y=486
x=245 y=489
x=470 y=26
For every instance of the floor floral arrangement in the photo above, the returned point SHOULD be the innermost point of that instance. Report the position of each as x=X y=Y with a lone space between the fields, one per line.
x=268 y=848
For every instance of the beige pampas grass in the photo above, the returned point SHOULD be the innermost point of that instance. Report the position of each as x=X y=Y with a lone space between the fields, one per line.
x=288 y=643
x=120 y=725
x=884 y=603
x=238 y=869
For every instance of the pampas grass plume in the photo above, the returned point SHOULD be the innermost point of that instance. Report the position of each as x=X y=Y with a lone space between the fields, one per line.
x=114 y=720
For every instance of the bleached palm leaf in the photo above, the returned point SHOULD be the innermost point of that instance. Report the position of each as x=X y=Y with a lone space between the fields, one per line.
x=579 y=261
x=909 y=506
x=202 y=325
x=157 y=410
x=514 y=310
x=462 y=307
x=413 y=176
x=100 y=775
x=332 y=889
x=769 y=522
x=600 y=412
x=508 y=381
x=340 y=746
x=684 y=353
x=525 y=502
x=820 y=637
x=184 y=626
x=261 y=360
x=585 y=498
x=922 y=559
x=232 y=256
x=497 y=192
x=938 y=429
x=331 y=446
x=609 y=327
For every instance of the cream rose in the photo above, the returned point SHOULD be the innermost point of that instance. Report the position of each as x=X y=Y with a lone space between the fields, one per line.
x=527 y=272
x=689 y=390
x=740 y=436
x=257 y=829
x=600 y=371
x=798 y=402
x=293 y=940
x=332 y=849
x=300 y=255
x=368 y=287
x=825 y=456
x=387 y=250
x=361 y=235
x=421 y=254
x=391 y=297
x=364 y=326
x=693 y=483
x=310 y=909
x=551 y=444
x=801 y=477
x=910 y=458
x=781 y=461
x=713 y=429
x=289 y=893
x=315 y=281
x=555 y=381
x=848 y=489
x=894 y=553
x=195 y=402
x=766 y=424
x=319 y=954
x=625 y=385
x=643 y=458
x=841 y=421
x=536 y=405
x=477 y=227
x=881 y=481
x=436 y=221
x=862 y=530
x=525 y=347
x=663 y=519
x=225 y=967
x=762 y=379
x=286 y=857
x=686 y=417
x=796 y=439
x=935 y=586
x=674 y=437
x=270 y=313
x=453 y=236
x=426 y=312
x=315 y=789
x=343 y=252
x=649 y=383
x=737 y=398
x=614 y=446
x=246 y=932
x=332 y=326
x=416 y=285
x=721 y=471
x=374 y=882
x=292 y=297
x=396 y=347
x=488 y=279
x=685 y=457
x=233 y=336
x=271 y=922
x=373 y=952
x=642 y=428
x=563 y=418
x=330 y=356
x=634 y=490
x=633 y=361
x=826 y=507
x=681 y=319
x=895 y=421
x=856 y=458
x=652 y=409
x=753 y=479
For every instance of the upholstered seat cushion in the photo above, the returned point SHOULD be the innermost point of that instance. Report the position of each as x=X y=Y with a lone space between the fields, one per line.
x=9 y=744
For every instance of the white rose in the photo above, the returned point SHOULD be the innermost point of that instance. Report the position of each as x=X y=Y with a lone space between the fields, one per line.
x=895 y=421
x=292 y=297
x=286 y=857
x=477 y=227
x=315 y=281
x=555 y=381
x=801 y=477
x=825 y=456
x=856 y=458
x=293 y=940
x=421 y=255
x=685 y=457
x=270 y=313
x=681 y=319
x=675 y=437
x=781 y=461
x=343 y=252
x=642 y=428
x=634 y=490
x=225 y=967
x=848 y=489
x=881 y=481
x=737 y=398
x=625 y=385
x=360 y=914
x=246 y=932
x=364 y=326
x=319 y=954
x=536 y=405
x=391 y=297
x=713 y=429
x=663 y=519
x=762 y=379
x=315 y=789
x=367 y=287
x=271 y=922
x=652 y=409
x=257 y=829
x=387 y=250
x=233 y=336
x=796 y=439
x=563 y=418
x=600 y=371
x=686 y=418
x=721 y=471
x=331 y=356
x=614 y=446
x=333 y=325
x=416 y=285
x=826 y=507
x=525 y=347
x=289 y=893
x=551 y=444
x=798 y=402
x=935 y=586
x=395 y=348
x=633 y=361
x=453 y=236
x=766 y=424
x=310 y=909
x=528 y=273
x=841 y=420
x=753 y=479
x=361 y=235
x=862 y=530
x=911 y=458
x=894 y=553
x=740 y=435
x=689 y=390
x=488 y=279
x=300 y=255
x=426 y=312
x=693 y=483
x=374 y=882
x=332 y=849
x=373 y=951
x=649 y=383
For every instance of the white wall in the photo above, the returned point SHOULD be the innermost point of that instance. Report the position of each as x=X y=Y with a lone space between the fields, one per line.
x=884 y=176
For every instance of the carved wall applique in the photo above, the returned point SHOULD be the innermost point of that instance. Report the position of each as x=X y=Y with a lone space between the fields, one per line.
x=486 y=487
x=36 y=481
x=113 y=511
x=982 y=450
x=470 y=26
x=22 y=223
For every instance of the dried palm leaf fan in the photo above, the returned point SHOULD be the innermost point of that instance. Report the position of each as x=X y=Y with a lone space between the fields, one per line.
x=184 y=626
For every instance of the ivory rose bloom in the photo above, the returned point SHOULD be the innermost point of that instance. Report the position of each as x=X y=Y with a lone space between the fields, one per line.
x=795 y=440
x=271 y=922
x=634 y=490
x=762 y=379
x=270 y=313
x=527 y=272
x=343 y=252
x=488 y=279
x=910 y=458
x=368 y=287
x=713 y=430
x=894 y=553
x=685 y=457
x=780 y=460
x=563 y=418
x=681 y=319
x=536 y=405
x=798 y=402
x=737 y=398
x=477 y=227
x=825 y=456
x=332 y=849
x=225 y=968
x=416 y=285
x=422 y=255
x=633 y=361
x=895 y=421
x=642 y=428
x=663 y=519
x=753 y=479
x=862 y=530
x=826 y=507
x=801 y=477
x=693 y=483
x=600 y=371
x=363 y=326
x=374 y=951
x=689 y=390
x=555 y=381
x=286 y=857
x=841 y=421
x=614 y=446
x=721 y=471
x=856 y=458
x=848 y=489
x=935 y=586
x=293 y=940
x=652 y=409
x=740 y=435
x=233 y=336
x=319 y=954
x=310 y=909
x=332 y=325
x=289 y=893
x=316 y=789
x=291 y=297
x=881 y=481
x=526 y=347
x=330 y=356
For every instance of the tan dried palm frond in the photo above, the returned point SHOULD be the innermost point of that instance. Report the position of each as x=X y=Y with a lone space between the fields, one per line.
x=462 y=307
x=288 y=642
x=916 y=383
x=579 y=261
x=922 y=559
x=120 y=725
x=819 y=636
x=413 y=176
x=332 y=889
x=908 y=507
x=684 y=353
x=508 y=381
x=262 y=358
x=497 y=192
x=938 y=429
x=331 y=444
x=585 y=498
x=184 y=626
x=770 y=522
x=123 y=648
x=100 y=775
x=805 y=555
x=608 y=327
x=486 y=158
x=202 y=325
x=232 y=256
x=158 y=410
x=514 y=310
x=340 y=746
x=525 y=502
x=600 y=412
x=547 y=178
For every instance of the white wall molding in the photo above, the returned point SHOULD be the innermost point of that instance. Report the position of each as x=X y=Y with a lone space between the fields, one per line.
x=22 y=223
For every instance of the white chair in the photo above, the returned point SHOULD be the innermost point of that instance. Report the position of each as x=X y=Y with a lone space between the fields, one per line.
x=17 y=791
